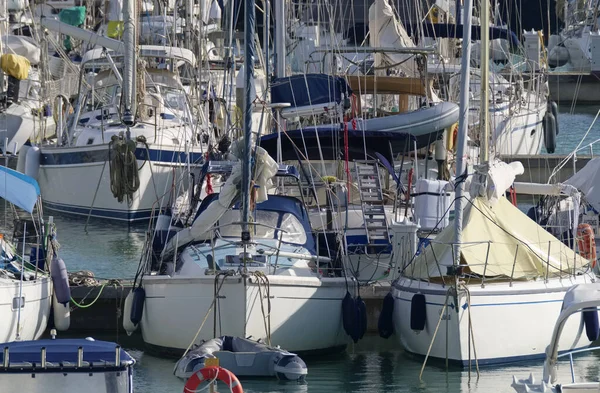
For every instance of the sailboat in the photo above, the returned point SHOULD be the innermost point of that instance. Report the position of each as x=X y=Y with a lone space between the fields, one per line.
x=25 y=283
x=131 y=133
x=488 y=289
x=258 y=277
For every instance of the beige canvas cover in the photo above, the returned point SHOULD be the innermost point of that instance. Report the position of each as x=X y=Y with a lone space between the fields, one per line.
x=510 y=242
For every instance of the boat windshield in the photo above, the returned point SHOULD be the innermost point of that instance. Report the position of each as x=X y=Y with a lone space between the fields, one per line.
x=294 y=231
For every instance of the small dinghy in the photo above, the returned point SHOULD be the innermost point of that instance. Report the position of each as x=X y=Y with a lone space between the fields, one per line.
x=65 y=365
x=244 y=358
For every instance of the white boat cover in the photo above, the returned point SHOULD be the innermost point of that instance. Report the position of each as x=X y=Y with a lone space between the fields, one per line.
x=500 y=176
x=19 y=189
x=501 y=227
x=386 y=31
x=587 y=180
x=265 y=169
x=23 y=46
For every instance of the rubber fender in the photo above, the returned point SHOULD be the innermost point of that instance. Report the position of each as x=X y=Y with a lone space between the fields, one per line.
x=553 y=107
x=32 y=162
x=550 y=133
x=348 y=313
x=592 y=328
x=137 y=305
x=418 y=312
x=60 y=280
x=385 y=324
x=361 y=309
x=62 y=315
x=128 y=325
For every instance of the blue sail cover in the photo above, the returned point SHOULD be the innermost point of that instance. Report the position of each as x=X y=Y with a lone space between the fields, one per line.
x=19 y=189
x=309 y=89
x=445 y=30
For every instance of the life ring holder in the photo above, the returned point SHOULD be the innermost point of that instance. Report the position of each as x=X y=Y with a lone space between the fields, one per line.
x=210 y=374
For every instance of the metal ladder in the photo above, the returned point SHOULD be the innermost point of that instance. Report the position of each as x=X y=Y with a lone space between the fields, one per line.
x=371 y=198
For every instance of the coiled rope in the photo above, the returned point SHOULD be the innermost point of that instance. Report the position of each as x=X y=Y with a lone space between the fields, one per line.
x=124 y=175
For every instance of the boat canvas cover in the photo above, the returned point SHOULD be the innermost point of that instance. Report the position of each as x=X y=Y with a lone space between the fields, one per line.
x=586 y=180
x=507 y=237
x=18 y=189
x=309 y=89
x=15 y=66
x=23 y=46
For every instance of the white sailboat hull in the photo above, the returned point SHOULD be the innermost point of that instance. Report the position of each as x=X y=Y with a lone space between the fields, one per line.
x=519 y=131
x=509 y=323
x=76 y=180
x=306 y=312
x=34 y=311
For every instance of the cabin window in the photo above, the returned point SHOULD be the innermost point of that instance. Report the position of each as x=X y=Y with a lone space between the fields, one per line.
x=90 y=141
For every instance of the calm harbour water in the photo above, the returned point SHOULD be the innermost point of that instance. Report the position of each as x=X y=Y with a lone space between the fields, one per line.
x=112 y=250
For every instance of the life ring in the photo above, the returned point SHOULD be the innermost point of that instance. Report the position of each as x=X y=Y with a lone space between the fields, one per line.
x=586 y=243
x=210 y=374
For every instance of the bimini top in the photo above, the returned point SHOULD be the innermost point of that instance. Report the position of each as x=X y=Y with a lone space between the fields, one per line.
x=23 y=356
x=167 y=52
x=276 y=203
x=19 y=189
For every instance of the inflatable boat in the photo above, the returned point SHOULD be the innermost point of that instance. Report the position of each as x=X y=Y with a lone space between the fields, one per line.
x=244 y=358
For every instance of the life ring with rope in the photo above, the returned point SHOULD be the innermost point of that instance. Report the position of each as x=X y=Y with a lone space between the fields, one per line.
x=210 y=374
x=586 y=243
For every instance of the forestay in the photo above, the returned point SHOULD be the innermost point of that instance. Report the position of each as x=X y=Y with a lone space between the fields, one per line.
x=499 y=242
x=18 y=189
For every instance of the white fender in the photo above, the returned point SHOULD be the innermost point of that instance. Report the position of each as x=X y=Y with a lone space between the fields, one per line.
x=129 y=326
x=62 y=315
x=32 y=163
x=21 y=158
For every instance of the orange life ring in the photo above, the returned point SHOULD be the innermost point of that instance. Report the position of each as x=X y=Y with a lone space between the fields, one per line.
x=586 y=243
x=211 y=373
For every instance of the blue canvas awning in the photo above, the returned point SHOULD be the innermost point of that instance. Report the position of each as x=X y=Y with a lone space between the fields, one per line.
x=19 y=189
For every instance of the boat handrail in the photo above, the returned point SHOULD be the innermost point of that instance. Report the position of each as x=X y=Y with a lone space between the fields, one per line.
x=361 y=49
x=576 y=352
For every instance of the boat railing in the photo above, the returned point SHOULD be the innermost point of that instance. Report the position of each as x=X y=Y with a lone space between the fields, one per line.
x=576 y=352
x=486 y=272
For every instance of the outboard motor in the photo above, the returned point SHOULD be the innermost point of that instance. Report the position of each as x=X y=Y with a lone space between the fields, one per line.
x=290 y=368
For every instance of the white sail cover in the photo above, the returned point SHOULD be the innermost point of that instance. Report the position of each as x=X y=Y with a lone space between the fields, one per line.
x=587 y=180
x=265 y=169
x=18 y=189
x=494 y=232
x=23 y=46
x=386 y=31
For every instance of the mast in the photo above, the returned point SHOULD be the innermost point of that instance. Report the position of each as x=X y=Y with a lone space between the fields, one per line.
x=463 y=124
x=249 y=55
x=129 y=69
x=485 y=80
x=279 y=39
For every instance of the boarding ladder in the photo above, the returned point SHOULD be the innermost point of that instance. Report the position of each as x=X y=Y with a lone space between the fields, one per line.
x=371 y=198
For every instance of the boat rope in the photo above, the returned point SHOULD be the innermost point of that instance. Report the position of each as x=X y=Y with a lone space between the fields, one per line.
x=434 y=335
x=93 y=301
x=124 y=175
x=263 y=281
x=470 y=332
x=212 y=305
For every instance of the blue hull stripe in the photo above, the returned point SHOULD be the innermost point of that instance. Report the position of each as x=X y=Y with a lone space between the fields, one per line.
x=48 y=157
x=123 y=215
